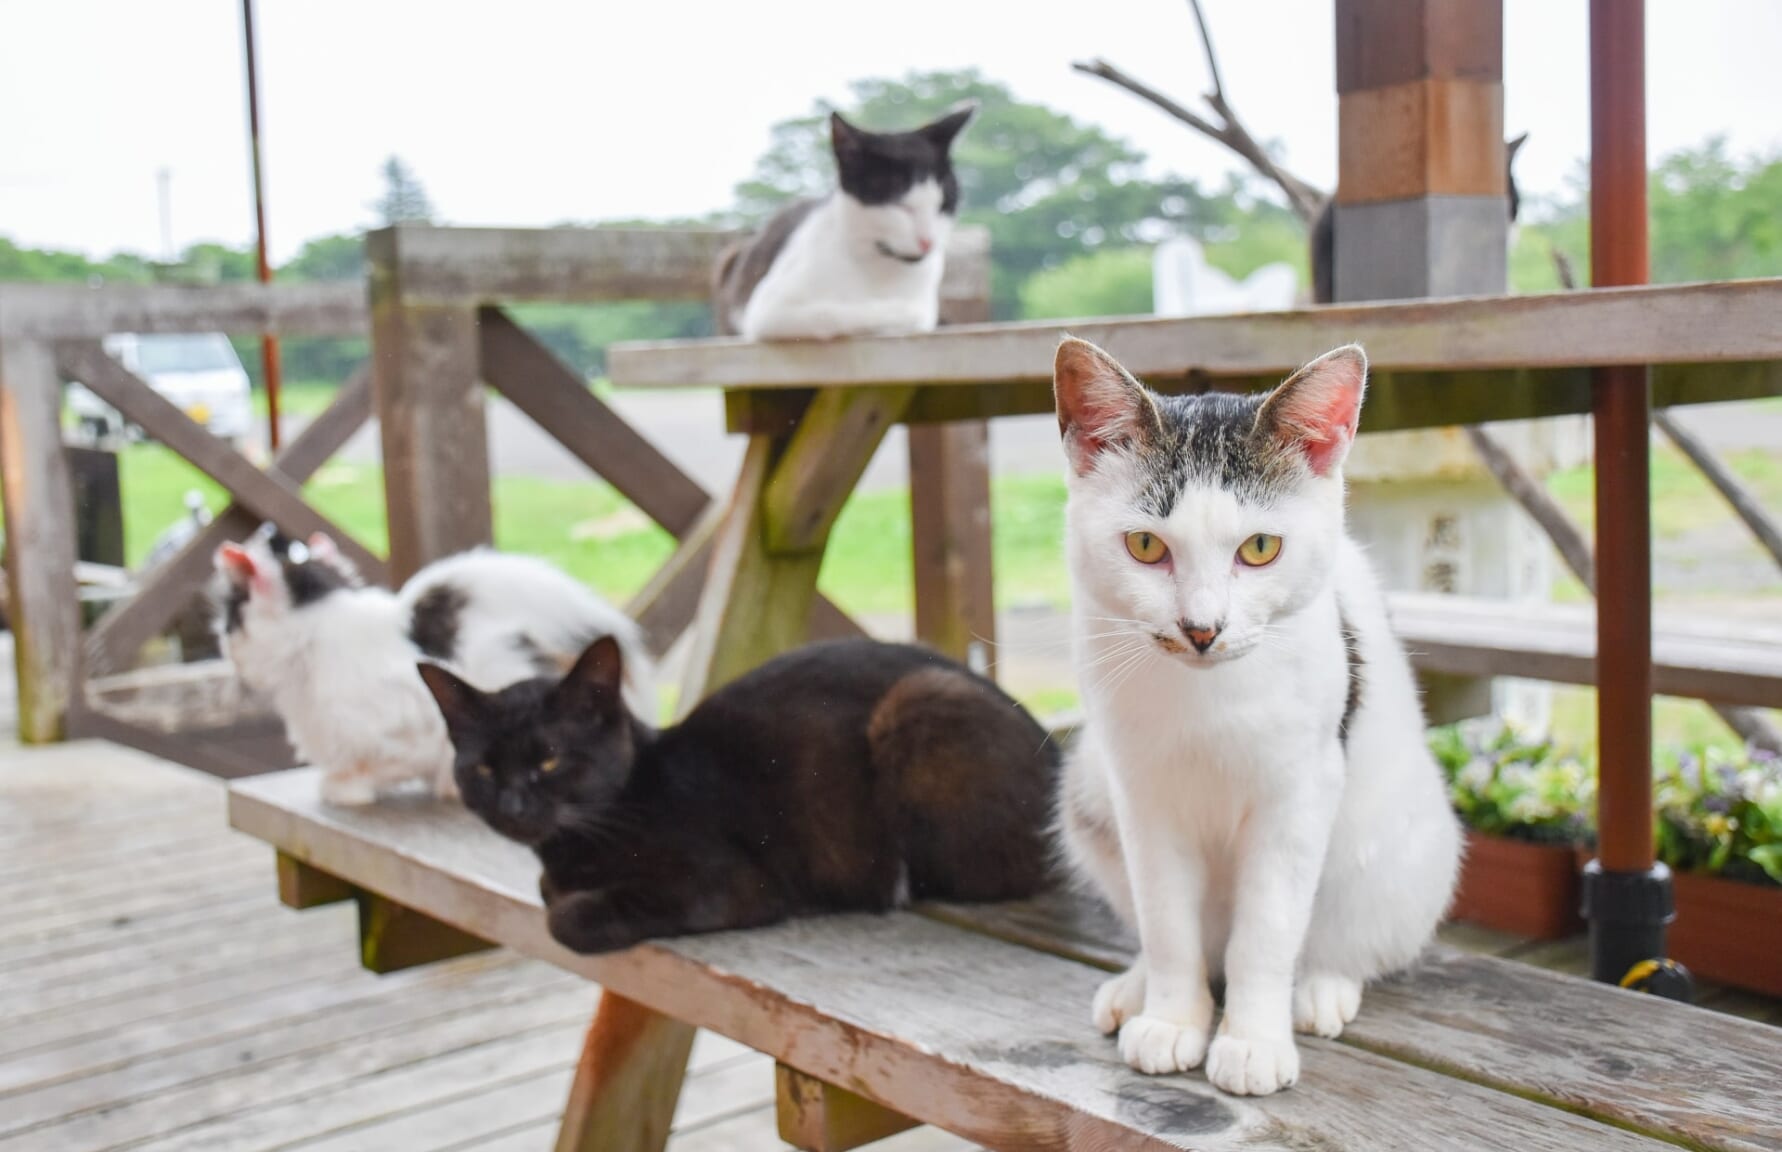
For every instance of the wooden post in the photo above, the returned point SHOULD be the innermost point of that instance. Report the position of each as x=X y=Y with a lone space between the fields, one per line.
x=43 y=607
x=950 y=505
x=950 y=531
x=429 y=396
x=627 y=1081
x=1420 y=202
x=818 y=1117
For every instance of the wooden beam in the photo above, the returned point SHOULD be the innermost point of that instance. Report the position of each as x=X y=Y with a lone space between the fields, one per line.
x=1716 y=323
x=471 y=266
x=950 y=529
x=112 y=643
x=430 y=409
x=823 y=461
x=627 y=1081
x=42 y=608
x=562 y=404
x=755 y=604
x=393 y=936
x=301 y=886
x=271 y=494
x=818 y=1117
x=66 y=311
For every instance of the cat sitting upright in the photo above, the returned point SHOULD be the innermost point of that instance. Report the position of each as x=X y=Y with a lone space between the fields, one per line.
x=1251 y=789
x=865 y=260
x=848 y=776
x=337 y=659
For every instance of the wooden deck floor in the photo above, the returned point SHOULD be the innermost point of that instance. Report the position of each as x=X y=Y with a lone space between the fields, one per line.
x=154 y=995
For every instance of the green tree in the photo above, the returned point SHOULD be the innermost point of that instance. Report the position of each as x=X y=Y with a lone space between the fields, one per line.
x=1047 y=187
x=1107 y=282
x=1713 y=217
x=340 y=257
x=404 y=200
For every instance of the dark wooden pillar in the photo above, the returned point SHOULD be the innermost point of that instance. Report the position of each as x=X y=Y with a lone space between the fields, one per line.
x=427 y=384
x=42 y=605
x=1422 y=181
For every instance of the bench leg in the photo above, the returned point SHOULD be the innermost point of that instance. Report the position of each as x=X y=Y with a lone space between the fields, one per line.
x=628 y=1080
x=819 y=1117
x=301 y=886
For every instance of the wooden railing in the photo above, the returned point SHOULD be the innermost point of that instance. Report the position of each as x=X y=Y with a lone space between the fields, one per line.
x=51 y=333
x=433 y=308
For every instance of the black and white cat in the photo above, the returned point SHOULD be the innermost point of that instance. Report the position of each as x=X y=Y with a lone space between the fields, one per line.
x=865 y=260
x=336 y=658
x=1251 y=789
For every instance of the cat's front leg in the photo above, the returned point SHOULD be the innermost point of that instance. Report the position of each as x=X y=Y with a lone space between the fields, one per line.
x=1168 y=878
x=589 y=922
x=1280 y=857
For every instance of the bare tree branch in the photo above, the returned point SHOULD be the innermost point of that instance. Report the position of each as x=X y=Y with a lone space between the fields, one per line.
x=1732 y=489
x=1753 y=725
x=1206 y=42
x=1306 y=200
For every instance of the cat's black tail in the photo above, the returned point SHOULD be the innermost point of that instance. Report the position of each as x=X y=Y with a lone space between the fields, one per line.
x=974 y=776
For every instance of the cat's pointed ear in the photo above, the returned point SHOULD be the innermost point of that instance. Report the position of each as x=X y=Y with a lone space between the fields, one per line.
x=322 y=547
x=1511 y=147
x=599 y=671
x=1100 y=405
x=1317 y=410
x=848 y=141
x=236 y=564
x=942 y=132
x=460 y=704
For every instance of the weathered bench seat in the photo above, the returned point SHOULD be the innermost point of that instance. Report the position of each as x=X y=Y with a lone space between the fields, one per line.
x=976 y=1019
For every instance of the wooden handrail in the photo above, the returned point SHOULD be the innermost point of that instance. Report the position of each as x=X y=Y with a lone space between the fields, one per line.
x=1692 y=324
x=68 y=311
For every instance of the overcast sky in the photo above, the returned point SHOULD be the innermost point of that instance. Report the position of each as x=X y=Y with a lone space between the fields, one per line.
x=533 y=112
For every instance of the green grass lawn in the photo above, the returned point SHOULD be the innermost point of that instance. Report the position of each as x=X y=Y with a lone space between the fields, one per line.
x=592 y=532
x=298 y=397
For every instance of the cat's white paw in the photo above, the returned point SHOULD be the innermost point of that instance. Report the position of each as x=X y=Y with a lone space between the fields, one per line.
x=445 y=787
x=1119 y=999
x=1158 y=1047
x=1252 y=1065
x=1323 y=1003
x=348 y=789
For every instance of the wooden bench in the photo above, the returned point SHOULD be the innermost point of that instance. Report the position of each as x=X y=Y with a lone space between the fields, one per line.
x=976 y=1020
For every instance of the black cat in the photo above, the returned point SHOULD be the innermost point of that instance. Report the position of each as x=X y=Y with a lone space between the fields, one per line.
x=851 y=775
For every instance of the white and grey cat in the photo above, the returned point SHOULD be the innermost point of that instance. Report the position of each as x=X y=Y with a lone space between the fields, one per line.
x=1251 y=790
x=337 y=658
x=865 y=260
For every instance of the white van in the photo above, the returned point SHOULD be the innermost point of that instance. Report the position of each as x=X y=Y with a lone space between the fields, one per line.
x=198 y=372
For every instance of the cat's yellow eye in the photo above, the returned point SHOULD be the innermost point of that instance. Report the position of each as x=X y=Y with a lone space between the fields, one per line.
x=549 y=765
x=1146 y=548
x=1259 y=550
x=485 y=771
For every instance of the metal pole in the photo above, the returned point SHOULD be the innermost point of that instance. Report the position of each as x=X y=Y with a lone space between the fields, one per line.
x=1627 y=896
x=268 y=341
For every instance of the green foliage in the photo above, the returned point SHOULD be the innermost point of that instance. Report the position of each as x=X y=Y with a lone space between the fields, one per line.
x=49 y=266
x=1713 y=217
x=1718 y=811
x=1721 y=813
x=1504 y=785
x=1111 y=282
x=1047 y=187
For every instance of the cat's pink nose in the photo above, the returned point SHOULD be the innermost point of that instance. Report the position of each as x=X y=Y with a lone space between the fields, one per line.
x=924 y=245
x=1200 y=636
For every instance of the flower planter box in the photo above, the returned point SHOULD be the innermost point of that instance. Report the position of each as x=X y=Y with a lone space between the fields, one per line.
x=1729 y=931
x=1520 y=887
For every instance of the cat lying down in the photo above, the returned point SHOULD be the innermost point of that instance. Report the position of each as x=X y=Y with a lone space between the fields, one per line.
x=848 y=776
x=337 y=658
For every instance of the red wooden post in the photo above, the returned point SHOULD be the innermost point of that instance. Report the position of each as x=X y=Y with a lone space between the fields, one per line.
x=1627 y=897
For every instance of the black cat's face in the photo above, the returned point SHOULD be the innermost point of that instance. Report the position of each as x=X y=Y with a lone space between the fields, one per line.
x=902 y=183
x=540 y=757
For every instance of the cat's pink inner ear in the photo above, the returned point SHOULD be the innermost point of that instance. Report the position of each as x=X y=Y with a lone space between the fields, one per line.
x=236 y=563
x=1098 y=403
x=322 y=546
x=1318 y=409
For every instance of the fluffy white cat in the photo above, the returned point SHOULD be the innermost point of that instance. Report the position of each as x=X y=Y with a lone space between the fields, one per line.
x=1251 y=790
x=337 y=659
x=866 y=260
